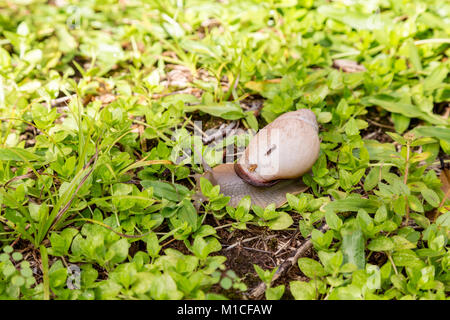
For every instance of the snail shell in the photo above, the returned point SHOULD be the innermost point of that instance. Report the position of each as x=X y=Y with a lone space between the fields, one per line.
x=275 y=158
x=285 y=149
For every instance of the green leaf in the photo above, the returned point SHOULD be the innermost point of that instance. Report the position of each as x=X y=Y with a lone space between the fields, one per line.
x=283 y=221
x=401 y=243
x=205 y=186
x=430 y=196
x=401 y=123
x=302 y=290
x=18 y=154
x=353 y=18
x=172 y=192
x=408 y=110
x=187 y=213
x=420 y=219
x=415 y=204
x=372 y=179
x=332 y=220
x=413 y=54
x=226 y=110
x=275 y=293
x=436 y=78
x=311 y=268
x=332 y=261
x=321 y=240
x=352 y=204
x=441 y=133
x=202 y=248
x=353 y=247
x=351 y=128
x=406 y=258
x=153 y=246
x=444 y=220
x=265 y=275
x=226 y=283
x=380 y=244
x=118 y=251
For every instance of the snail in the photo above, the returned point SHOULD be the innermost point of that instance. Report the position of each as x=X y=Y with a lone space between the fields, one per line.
x=271 y=165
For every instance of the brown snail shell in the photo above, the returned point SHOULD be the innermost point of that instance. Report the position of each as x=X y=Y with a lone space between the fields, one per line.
x=272 y=163
x=285 y=149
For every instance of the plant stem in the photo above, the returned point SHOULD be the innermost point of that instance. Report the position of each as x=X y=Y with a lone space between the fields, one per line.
x=392 y=262
x=46 y=280
x=436 y=40
x=405 y=179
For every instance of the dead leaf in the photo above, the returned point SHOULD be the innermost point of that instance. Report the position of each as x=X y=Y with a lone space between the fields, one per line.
x=106 y=98
x=348 y=66
x=445 y=180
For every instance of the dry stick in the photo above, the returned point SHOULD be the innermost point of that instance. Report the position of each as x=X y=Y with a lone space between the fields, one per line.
x=348 y=66
x=257 y=250
x=447 y=193
x=380 y=124
x=24 y=176
x=58 y=101
x=246 y=240
x=258 y=291
x=222 y=131
x=285 y=245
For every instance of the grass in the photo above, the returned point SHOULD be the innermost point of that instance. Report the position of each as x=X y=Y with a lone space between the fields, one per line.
x=100 y=142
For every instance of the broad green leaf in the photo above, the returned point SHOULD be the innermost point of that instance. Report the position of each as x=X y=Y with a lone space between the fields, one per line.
x=353 y=247
x=353 y=204
x=311 y=268
x=441 y=133
x=413 y=55
x=381 y=244
x=302 y=290
x=406 y=258
x=408 y=110
x=17 y=154
x=436 y=77
x=225 y=110
x=283 y=221
x=274 y=293
x=332 y=220
x=430 y=196
x=372 y=179
x=173 y=192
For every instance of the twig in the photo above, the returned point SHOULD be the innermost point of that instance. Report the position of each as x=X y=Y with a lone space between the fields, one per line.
x=58 y=101
x=258 y=291
x=222 y=131
x=286 y=244
x=247 y=240
x=348 y=66
x=257 y=250
x=380 y=124
x=24 y=176
x=19 y=236
x=168 y=242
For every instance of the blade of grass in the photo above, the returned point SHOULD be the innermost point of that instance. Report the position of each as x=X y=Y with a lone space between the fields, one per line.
x=45 y=277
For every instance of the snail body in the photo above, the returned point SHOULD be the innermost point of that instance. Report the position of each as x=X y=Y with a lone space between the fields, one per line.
x=236 y=188
x=272 y=163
